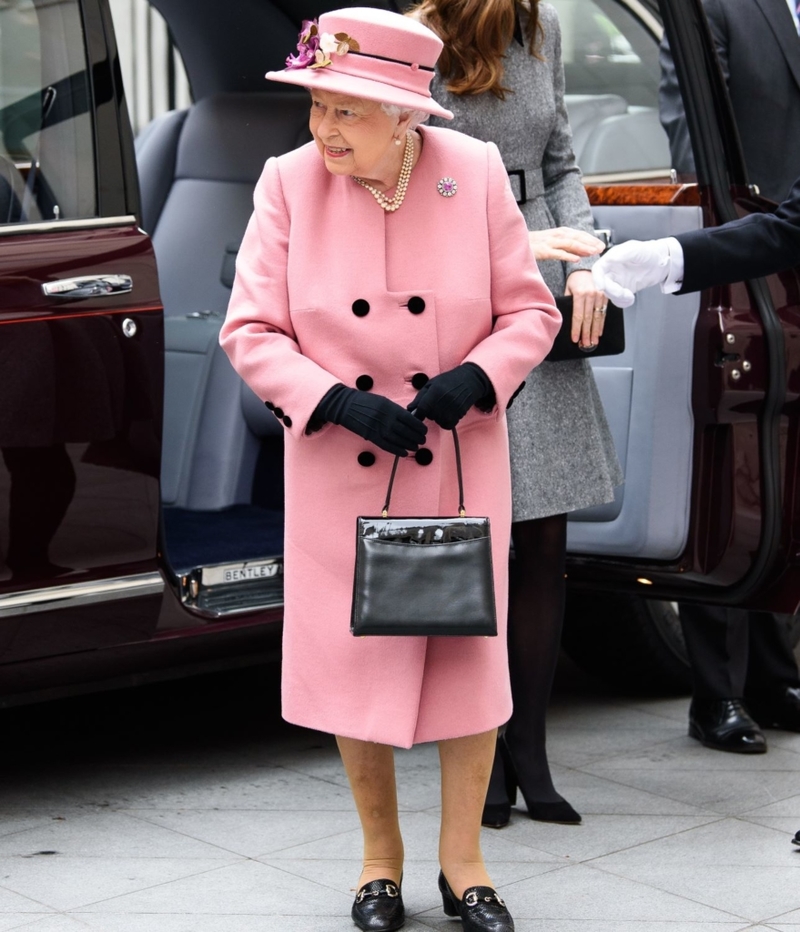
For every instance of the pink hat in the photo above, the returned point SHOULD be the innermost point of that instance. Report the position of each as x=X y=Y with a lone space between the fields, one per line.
x=364 y=52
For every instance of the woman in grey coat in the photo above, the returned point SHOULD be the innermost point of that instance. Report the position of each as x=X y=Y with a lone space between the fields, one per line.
x=502 y=77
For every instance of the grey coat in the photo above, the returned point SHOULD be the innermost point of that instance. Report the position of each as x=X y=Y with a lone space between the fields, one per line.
x=562 y=455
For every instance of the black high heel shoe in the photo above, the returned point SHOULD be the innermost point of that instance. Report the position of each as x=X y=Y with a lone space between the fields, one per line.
x=378 y=906
x=480 y=909
x=557 y=811
x=502 y=792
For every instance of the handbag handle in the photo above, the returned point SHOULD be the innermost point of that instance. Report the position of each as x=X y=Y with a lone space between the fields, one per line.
x=461 y=510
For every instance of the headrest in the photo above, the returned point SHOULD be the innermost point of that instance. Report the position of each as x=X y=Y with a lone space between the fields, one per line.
x=228 y=137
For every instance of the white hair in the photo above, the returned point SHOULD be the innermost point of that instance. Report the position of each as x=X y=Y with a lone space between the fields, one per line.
x=417 y=116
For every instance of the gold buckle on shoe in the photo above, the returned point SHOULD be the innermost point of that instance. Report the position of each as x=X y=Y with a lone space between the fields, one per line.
x=389 y=890
x=472 y=899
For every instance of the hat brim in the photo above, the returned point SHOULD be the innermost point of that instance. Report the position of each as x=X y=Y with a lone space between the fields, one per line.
x=337 y=83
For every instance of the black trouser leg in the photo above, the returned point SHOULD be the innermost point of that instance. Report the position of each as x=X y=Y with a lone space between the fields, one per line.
x=771 y=659
x=717 y=645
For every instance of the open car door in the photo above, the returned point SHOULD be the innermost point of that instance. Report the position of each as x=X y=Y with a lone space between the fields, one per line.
x=80 y=344
x=703 y=402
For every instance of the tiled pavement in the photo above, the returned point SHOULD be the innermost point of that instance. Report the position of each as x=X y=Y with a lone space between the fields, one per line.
x=190 y=808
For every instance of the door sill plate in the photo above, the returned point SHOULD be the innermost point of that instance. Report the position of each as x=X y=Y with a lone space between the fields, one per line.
x=225 y=589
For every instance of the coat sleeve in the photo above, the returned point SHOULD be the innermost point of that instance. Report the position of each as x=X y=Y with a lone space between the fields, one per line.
x=564 y=192
x=760 y=244
x=257 y=334
x=526 y=320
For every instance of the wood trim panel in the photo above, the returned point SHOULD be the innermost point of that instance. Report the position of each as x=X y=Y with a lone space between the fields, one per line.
x=619 y=195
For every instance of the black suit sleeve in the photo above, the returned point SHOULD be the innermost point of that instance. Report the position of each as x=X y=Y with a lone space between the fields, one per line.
x=760 y=244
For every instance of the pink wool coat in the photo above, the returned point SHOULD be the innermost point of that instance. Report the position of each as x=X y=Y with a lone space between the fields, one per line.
x=330 y=288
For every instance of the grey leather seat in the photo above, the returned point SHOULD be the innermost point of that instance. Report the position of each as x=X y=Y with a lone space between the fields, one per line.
x=585 y=112
x=197 y=171
x=628 y=142
x=609 y=136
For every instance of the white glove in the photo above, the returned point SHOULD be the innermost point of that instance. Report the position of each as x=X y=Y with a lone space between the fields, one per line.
x=631 y=266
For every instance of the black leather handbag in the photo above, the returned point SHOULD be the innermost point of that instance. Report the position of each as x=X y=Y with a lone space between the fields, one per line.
x=612 y=342
x=424 y=576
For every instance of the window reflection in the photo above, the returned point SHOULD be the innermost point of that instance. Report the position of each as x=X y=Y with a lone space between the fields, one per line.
x=46 y=138
x=612 y=76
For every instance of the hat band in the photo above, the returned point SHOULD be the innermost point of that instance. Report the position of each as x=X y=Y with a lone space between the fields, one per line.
x=397 y=61
x=407 y=77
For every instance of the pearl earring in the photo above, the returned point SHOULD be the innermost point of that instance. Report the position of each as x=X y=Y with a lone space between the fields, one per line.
x=397 y=142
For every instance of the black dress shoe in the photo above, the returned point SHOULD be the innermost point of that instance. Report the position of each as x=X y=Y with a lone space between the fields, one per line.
x=502 y=792
x=779 y=709
x=496 y=815
x=796 y=839
x=725 y=725
x=480 y=909
x=378 y=907
x=557 y=810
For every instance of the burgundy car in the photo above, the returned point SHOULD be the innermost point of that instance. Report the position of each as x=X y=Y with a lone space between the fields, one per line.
x=141 y=508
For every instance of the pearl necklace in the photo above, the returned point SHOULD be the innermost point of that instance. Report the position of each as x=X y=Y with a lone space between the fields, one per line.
x=390 y=204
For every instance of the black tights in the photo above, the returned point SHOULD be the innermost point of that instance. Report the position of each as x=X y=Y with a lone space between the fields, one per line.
x=535 y=617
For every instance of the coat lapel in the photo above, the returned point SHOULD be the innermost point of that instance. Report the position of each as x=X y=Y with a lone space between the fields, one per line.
x=780 y=20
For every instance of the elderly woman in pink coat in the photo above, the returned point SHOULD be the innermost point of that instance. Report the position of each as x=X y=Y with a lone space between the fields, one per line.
x=385 y=291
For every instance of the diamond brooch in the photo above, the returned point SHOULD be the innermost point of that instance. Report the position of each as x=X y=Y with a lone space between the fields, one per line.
x=447 y=187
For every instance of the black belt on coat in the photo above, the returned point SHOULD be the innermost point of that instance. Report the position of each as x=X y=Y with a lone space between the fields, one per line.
x=526 y=183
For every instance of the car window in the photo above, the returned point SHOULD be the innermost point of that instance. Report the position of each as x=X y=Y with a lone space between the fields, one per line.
x=152 y=68
x=612 y=72
x=47 y=159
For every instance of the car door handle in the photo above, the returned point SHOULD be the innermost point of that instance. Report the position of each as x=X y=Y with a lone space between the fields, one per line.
x=605 y=235
x=88 y=286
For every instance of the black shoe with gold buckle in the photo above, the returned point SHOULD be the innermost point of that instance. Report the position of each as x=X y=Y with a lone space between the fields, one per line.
x=481 y=909
x=378 y=907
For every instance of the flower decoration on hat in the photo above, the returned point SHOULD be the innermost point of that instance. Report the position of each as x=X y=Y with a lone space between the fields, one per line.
x=314 y=48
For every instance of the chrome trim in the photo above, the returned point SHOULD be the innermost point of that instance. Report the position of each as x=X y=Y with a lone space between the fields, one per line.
x=241 y=572
x=605 y=235
x=54 y=226
x=88 y=286
x=627 y=177
x=81 y=593
x=195 y=609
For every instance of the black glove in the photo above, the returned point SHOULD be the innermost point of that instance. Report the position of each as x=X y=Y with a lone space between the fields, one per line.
x=383 y=422
x=446 y=398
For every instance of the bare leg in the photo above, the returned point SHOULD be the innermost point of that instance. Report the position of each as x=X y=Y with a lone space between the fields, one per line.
x=370 y=770
x=466 y=765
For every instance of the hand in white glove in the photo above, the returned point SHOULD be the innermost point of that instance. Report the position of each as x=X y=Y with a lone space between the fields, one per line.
x=631 y=266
